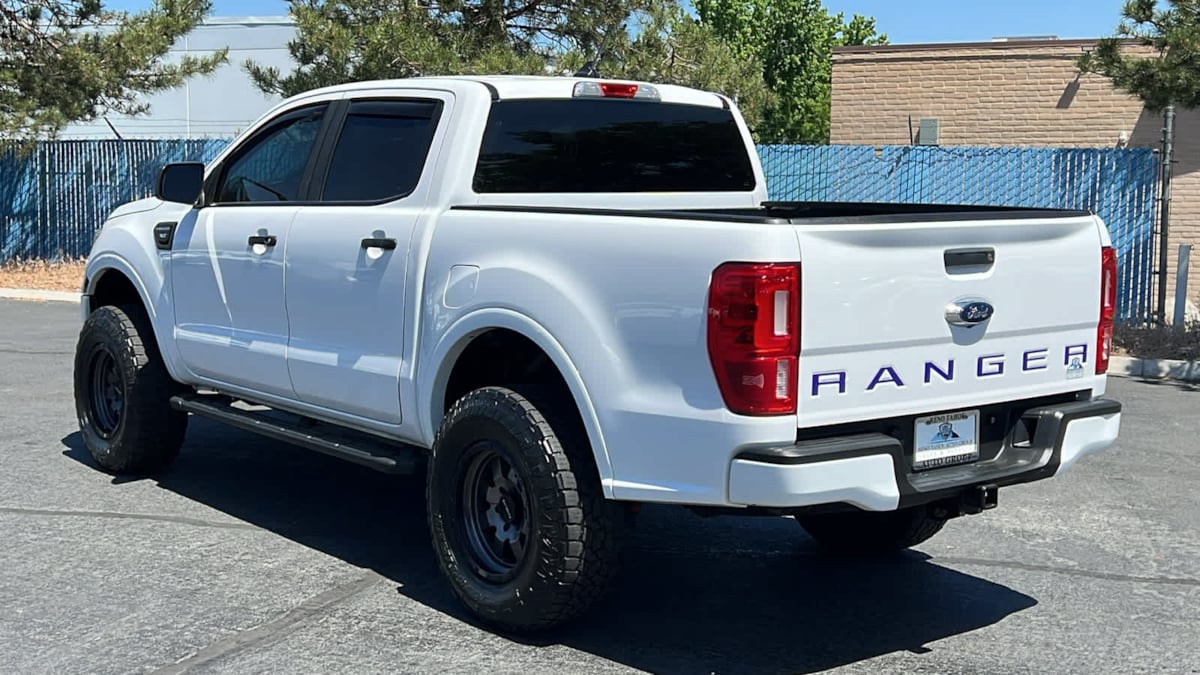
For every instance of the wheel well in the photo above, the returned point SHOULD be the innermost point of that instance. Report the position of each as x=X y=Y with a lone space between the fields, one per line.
x=500 y=357
x=115 y=289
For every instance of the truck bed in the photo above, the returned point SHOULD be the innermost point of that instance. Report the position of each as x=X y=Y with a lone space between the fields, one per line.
x=878 y=281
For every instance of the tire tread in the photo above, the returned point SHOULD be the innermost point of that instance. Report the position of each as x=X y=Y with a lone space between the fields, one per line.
x=590 y=549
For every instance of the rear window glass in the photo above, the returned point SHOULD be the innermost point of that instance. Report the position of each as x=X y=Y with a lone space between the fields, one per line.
x=597 y=145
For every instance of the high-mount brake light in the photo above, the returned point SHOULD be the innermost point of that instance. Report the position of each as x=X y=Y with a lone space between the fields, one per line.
x=754 y=336
x=1108 y=307
x=615 y=90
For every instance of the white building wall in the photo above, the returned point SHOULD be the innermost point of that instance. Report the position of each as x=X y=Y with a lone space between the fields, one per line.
x=219 y=105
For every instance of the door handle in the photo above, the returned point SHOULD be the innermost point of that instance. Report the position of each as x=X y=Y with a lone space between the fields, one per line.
x=264 y=240
x=386 y=243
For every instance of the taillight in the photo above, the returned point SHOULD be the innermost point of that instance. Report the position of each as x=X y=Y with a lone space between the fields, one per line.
x=594 y=89
x=754 y=336
x=1108 y=307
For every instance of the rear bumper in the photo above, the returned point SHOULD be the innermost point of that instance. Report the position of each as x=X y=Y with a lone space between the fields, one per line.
x=872 y=471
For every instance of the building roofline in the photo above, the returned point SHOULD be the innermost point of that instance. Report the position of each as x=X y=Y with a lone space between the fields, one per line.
x=269 y=20
x=212 y=21
x=939 y=46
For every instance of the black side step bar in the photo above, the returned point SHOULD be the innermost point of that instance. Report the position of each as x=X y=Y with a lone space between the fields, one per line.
x=325 y=438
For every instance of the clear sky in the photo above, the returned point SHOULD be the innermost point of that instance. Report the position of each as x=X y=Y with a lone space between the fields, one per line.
x=908 y=21
x=905 y=21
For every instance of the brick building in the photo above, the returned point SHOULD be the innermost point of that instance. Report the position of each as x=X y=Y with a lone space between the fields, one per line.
x=1008 y=93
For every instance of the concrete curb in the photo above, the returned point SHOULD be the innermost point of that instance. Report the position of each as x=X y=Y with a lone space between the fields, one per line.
x=32 y=294
x=1154 y=369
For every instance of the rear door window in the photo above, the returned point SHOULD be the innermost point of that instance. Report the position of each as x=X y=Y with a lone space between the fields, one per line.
x=597 y=145
x=381 y=150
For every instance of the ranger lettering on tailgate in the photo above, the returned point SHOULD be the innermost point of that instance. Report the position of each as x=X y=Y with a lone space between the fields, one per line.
x=988 y=365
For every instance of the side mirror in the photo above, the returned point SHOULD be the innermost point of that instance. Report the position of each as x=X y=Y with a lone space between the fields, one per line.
x=180 y=182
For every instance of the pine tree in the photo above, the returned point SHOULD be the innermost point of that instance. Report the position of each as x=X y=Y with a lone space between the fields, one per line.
x=64 y=61
x=1171 y=75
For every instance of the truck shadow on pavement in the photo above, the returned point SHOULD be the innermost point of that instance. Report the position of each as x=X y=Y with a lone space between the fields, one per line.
x=723 y=595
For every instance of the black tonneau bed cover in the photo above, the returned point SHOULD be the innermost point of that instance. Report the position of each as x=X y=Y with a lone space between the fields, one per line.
x=793 y=213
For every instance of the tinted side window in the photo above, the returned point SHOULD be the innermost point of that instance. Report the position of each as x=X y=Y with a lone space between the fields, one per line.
x=381 y=150
x=270 y=167
x=597 y=145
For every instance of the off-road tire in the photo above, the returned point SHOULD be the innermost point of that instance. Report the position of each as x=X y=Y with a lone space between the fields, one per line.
x=147 y=433
x=573 y=547
x=867 y=533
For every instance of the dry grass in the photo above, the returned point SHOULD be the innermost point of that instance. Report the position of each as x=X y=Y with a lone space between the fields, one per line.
x=65 y=275
x=1158 y=342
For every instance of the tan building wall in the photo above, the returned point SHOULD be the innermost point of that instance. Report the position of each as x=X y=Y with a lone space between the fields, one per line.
x=1010 y=94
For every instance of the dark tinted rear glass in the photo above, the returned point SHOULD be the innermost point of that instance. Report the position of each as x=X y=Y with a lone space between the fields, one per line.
x=597 y=145
x=381 y=150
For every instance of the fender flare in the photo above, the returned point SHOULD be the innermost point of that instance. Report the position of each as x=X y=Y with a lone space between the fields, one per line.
x=106 y=263
x=454 y=341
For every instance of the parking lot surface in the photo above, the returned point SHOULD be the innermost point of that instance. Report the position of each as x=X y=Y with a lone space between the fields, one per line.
x=250 y=556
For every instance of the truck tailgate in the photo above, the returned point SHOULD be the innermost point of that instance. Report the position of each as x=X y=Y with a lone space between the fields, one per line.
x=876 y=340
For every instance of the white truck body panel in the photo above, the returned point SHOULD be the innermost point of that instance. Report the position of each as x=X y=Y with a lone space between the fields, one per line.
x=632 y=320
x=231 y=320
x=866 y=352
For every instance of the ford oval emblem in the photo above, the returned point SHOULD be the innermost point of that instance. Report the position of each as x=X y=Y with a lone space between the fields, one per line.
x=969 y=312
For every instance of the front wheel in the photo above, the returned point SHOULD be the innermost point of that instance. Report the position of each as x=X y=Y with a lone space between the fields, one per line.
x=859 y=533
x=122 y=394
x=519 y=523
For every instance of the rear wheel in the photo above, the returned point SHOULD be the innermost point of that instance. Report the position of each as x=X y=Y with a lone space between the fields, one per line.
x=521 y=528
x=122 y=394
x=871 y=532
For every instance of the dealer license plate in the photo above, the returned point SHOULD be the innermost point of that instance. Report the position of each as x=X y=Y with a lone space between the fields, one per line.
x=945 y=440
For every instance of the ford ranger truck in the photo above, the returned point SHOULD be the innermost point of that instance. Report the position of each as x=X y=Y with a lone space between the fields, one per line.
x=560 y=298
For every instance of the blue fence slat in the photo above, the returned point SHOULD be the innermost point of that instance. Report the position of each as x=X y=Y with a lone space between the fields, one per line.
x=54 y=198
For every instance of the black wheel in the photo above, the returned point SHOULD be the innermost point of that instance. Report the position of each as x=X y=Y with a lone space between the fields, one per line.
x=871 y=532
x=518 y=520
x=122 y=392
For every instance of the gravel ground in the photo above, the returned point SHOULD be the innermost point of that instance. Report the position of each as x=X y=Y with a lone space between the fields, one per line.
x=42 y=275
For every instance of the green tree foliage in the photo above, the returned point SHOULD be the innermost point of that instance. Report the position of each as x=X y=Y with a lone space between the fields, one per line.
x=670 y=46
x=794 y=41
x=1169 y=77
x=352 y=40
x=771 y=56
x=63 y=61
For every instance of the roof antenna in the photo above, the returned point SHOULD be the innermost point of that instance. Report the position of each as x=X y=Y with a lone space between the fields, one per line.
x=114 y=129
x=592 y=67
x=589 y=69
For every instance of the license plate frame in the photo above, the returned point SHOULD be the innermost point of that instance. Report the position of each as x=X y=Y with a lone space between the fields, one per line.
x=936 y=447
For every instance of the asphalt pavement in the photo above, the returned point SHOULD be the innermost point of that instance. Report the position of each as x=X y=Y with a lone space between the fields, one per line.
x=250 y=556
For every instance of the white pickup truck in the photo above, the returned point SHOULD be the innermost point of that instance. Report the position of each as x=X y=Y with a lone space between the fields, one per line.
x=565 y=297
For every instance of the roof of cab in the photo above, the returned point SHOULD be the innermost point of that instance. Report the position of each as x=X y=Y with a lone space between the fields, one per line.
x=502 y=87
